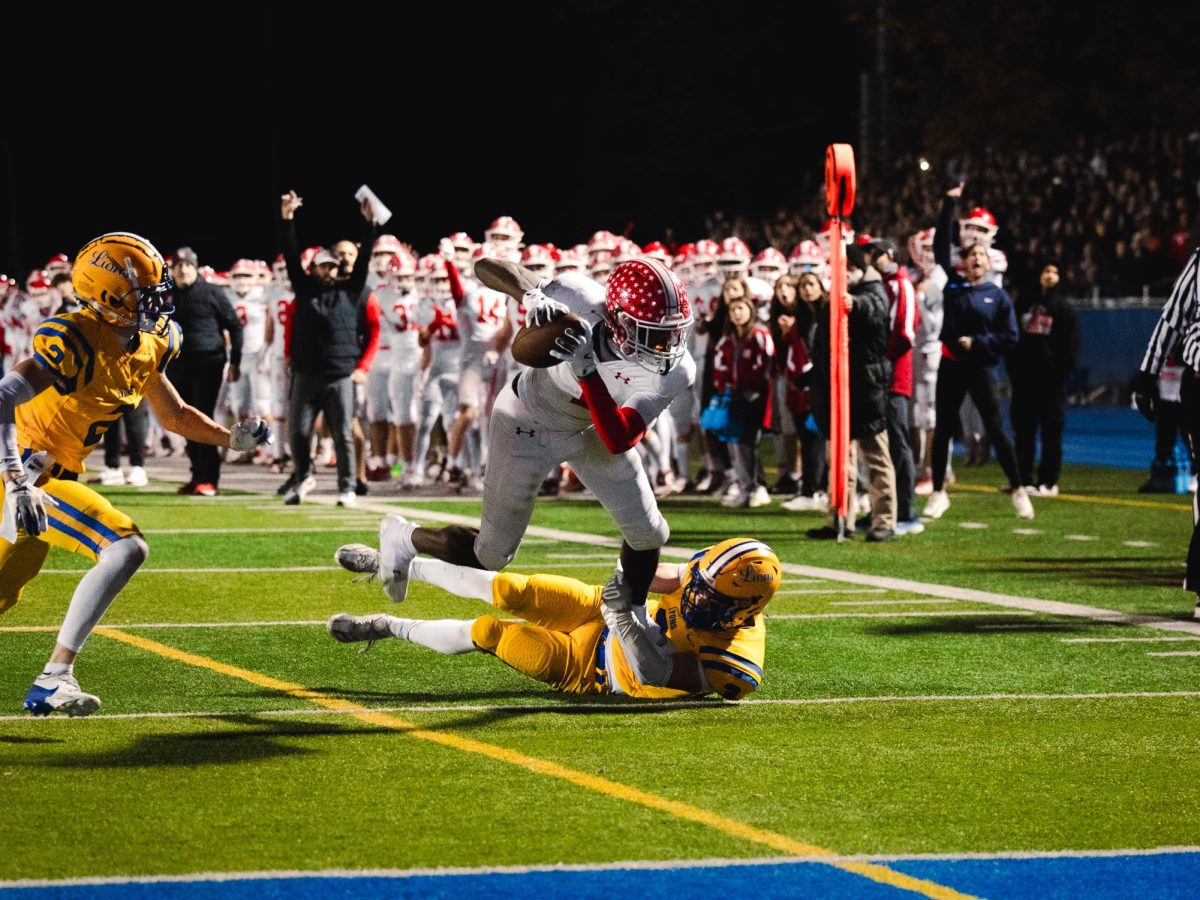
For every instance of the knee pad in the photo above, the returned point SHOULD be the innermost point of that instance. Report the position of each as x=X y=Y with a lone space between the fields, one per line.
x=649 y=535
x=486 y=632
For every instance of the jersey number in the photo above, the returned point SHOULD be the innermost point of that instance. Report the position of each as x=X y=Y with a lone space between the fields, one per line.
x=96 y=429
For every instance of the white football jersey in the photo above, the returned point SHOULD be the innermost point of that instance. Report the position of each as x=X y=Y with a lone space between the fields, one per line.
x=445 y=344
x=554 y=396
x=279 y=303
x=481 y=314
x=252 y=313
x=396 y=312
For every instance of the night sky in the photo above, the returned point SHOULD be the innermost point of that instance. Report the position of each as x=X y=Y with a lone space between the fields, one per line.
x=602 y=114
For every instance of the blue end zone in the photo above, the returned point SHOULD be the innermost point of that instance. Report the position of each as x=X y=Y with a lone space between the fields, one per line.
x=1165 y=875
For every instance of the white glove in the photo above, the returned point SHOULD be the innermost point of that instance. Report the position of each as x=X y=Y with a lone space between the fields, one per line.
x=29 y=506
x=446 y=248
x=248 y=434
x=575 y=349
x=540 y=309
x=491 y=357
x=647 y=650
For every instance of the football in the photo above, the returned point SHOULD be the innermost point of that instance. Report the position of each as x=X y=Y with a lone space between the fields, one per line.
x=532 y=345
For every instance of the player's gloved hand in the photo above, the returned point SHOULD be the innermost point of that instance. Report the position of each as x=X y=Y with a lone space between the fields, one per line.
x=1145 y=394
x=491 y=357
x=446 y=248
x=29 y=504
x=540 y=309
x=575 y=349
x=249 y=433
x=616 y=594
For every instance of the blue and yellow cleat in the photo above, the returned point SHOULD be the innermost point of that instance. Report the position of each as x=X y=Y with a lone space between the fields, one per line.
x=59 y=693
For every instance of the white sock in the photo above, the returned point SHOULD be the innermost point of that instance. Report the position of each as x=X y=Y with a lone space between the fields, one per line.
x=96 y=590
x=57 y=669
x=449 y=636
x=458 y=580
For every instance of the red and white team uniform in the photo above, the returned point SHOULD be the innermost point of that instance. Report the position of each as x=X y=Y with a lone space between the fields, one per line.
x=397 y=310
x=807 y=256
x=250 y=395
x=280 y=304
x=904 y=318
x=768 y=265
x=436 y=312
x=545 y=417
x=480 y=318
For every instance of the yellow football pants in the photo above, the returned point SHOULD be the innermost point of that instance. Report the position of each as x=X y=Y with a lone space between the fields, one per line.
x=558 y=645
x=81 y=521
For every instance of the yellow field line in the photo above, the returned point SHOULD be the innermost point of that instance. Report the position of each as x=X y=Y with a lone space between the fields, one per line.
x=605 y=786
x=1083 y=498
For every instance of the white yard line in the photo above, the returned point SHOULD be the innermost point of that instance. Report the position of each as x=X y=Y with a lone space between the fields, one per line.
x=623 y=865
x=1174 y=653
x=624 y=708
x=886 y=602
x=332 y=526
x=1128 y=640
x=912 y=614
x=832 y=590
x=1079 y=537
x=1010 y=601
x=234 y=570
x=16 y=629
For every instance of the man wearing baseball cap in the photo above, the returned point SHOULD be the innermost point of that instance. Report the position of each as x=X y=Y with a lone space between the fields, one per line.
x=205 y=315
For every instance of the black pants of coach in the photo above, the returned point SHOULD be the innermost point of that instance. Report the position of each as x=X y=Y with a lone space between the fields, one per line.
x=198 y=381
x=955 y=381
x=1039 y=408
x=313 y=394
x=898 y=423
x=134 y=425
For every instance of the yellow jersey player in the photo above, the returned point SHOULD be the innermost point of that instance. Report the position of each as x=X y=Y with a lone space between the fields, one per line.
x=88 y=368
x=704 y=634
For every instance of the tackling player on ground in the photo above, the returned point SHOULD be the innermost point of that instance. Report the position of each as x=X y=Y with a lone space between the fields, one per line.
x=622 y=365
x=87 y=369
x=704 y=634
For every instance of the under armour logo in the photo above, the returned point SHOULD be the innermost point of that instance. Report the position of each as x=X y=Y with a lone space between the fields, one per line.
x=530 y=432
x=621 y=377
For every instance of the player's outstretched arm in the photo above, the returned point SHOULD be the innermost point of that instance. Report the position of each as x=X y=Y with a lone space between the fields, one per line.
x=506 y=277
x=187 y=421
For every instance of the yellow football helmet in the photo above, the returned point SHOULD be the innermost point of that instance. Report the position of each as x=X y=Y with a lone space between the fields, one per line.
x=124 y=280
x=729 y=584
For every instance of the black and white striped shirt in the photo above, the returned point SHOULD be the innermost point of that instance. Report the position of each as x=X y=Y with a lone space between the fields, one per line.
x=1178 y=328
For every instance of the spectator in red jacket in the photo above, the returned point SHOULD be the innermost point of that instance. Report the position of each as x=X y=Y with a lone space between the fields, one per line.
x=742 y=363
x=903 y=318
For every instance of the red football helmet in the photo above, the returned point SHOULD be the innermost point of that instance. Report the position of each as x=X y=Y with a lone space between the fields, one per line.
x=504 y=230
x=920 y=250
x=460 y=240
x=657 y=250
x=768 y=265
x=570 y=261
x=647 y=311
x=977 y=227
x=538 y=259
x=826 y=232
x=38 y=282
x=387 y=243
x=402 y=265
x=734 y=257
x=707 y=250
x=59 y=262
x=626 y=250
x=806 y=256
x=307 y=257
x=601 y=242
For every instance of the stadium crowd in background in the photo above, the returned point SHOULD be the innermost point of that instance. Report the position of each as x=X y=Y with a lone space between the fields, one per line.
x=395 y=359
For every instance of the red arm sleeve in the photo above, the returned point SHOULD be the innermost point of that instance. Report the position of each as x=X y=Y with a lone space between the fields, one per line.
x=456 y=288
x=287 y=330
x=618 y=426
x=372 y=333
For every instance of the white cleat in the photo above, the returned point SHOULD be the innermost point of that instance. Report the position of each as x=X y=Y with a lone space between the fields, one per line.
x=348 y=629
x=395 y=555
x=59 y=693
x=760 y=497
x=109 y=477
x=347 y=498
x=1022 y=504
x=137 y=477
x=297 y=492
x=936 y=505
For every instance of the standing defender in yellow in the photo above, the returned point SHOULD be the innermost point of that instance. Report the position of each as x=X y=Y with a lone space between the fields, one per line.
x=704 y=634
x=88 y=369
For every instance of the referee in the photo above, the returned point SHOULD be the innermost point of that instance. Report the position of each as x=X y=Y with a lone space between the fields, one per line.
x=1178 y=333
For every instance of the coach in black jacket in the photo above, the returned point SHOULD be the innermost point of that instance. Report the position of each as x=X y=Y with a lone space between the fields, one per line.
x=870 y=379
x=325 y=352
x=205 y=316
x=1038 y=368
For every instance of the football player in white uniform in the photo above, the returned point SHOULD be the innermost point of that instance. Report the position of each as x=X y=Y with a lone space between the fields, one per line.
x=437 y=319
x=622 y=366
x=378 y=396
x=397 y=309
x=250 y=394
x=504 y=234
x=280 y=302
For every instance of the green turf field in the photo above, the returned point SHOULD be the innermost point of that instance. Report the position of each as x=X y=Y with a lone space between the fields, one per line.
x=894 y=718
